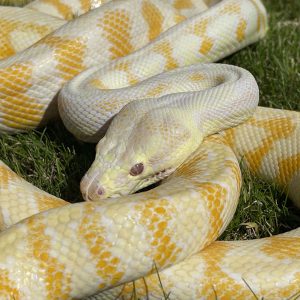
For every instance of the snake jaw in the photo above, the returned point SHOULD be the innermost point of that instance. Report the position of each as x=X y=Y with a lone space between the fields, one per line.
x=93 y=190
x=158 y=176
x=105 y=180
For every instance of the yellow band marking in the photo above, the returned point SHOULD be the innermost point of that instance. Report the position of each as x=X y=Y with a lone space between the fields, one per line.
x=231 y=8
x=19 y=110
x=108 y=266
x=183 y=4
x=63 y=9
x=46 y=201
x=214 y=196
x=154 y=19
x=276 y=128
x=179 y=18
x=8 y=290
x=8 y=27
x=282 y=247
x=206 y=45
x=241 y=30
x=165 y=49
x=221 y=280
x=157 y=90
x=116 y=25
x=97 y=83
x=126 y=67
x=57 y=281
x=69 y=54
x=261 y=18
x=196 y=77
x=199 y=29
x=288 y=167
x=155 y=215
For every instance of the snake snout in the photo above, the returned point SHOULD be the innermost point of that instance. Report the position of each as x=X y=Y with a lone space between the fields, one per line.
x=90 y=189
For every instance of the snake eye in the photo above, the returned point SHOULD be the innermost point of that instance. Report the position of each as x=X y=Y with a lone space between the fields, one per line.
x=137 y=169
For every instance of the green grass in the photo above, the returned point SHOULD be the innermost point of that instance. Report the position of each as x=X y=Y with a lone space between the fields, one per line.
x=54 y=161
x=274 y=61
x=14 y=2
x=50 y=159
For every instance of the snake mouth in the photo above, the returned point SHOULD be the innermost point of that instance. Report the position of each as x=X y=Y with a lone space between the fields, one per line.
x=92 y=190
x=147 y=183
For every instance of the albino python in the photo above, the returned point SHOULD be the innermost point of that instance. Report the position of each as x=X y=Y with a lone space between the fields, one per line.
x=50 y=249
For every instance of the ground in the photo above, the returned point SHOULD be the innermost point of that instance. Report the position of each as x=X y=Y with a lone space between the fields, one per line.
x=54 y=161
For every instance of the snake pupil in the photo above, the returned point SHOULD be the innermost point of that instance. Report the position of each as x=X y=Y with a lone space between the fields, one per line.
x=137 y=169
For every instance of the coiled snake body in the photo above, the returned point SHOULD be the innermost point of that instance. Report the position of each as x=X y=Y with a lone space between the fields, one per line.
x=66 y=251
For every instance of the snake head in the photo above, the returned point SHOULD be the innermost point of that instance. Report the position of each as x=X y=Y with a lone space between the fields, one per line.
x=142 y=146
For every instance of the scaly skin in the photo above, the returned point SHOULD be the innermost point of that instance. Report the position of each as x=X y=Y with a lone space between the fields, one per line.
x=22 y=27
x=268 y=144
x=144 y=131
x=83 y=244
x=66 y=10
x=270 y=266
x=93 y=97
x=81 y=249
x=31 y=79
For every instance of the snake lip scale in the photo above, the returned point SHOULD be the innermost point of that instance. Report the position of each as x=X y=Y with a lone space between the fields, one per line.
x=143 y=68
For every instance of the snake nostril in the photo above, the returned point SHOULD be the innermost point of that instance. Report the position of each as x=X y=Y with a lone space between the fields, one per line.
x=100 y=191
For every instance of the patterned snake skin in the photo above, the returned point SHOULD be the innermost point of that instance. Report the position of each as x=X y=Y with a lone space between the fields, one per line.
x=80 y=249
x=50 y=249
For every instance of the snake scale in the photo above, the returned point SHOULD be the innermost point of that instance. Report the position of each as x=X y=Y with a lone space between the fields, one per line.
x=135 y=60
